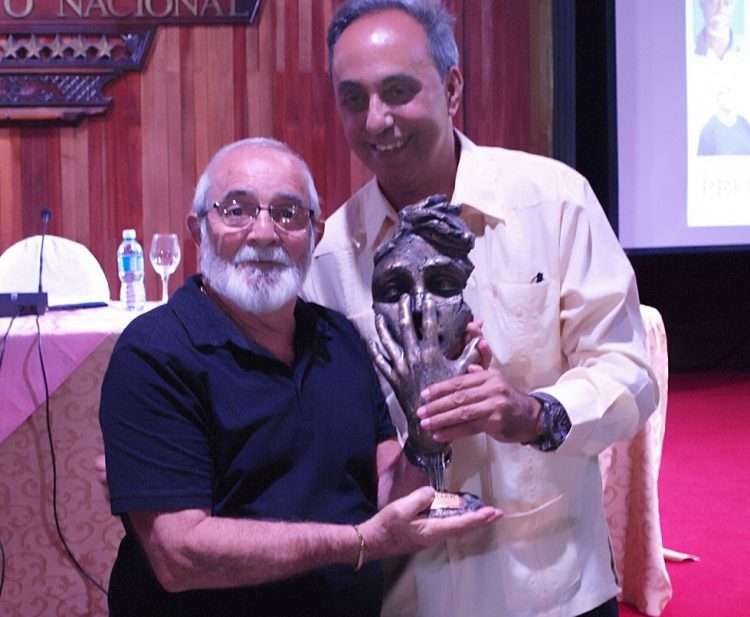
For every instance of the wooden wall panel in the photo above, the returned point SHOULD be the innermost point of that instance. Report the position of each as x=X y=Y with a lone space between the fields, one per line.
x=205 y=86
x=11 y=227
x=540 y=77
x=507 y=64
x=74 y=166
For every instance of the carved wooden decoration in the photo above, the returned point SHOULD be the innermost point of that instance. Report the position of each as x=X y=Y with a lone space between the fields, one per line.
x=56 y=56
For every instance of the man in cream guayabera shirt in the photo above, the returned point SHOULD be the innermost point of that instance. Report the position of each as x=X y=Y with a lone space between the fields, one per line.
x=560 y=308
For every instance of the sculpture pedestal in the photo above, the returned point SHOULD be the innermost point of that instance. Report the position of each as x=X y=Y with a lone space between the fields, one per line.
x=452 y=504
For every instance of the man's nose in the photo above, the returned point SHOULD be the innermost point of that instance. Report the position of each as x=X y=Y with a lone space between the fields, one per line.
x=379 y=117
x=263 y=230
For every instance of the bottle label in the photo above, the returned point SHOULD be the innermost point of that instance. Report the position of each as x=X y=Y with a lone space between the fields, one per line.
x=131 y=263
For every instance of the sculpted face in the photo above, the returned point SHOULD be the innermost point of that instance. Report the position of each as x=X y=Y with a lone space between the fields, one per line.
x=413 y=266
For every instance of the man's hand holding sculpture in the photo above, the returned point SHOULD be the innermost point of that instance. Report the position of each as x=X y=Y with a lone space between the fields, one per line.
x=411 y=368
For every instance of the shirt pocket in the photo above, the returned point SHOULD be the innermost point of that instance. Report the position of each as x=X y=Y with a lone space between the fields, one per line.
x=521 y=323
x=530 y=558
x=541 y=556
x=524 y=307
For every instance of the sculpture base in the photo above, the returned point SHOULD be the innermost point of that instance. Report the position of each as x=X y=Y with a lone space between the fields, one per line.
x=452 y=504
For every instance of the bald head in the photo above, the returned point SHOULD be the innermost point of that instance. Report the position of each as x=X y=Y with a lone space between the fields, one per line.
x=231 y=160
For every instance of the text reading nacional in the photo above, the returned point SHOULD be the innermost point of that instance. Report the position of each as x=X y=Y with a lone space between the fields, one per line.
x=131 y=10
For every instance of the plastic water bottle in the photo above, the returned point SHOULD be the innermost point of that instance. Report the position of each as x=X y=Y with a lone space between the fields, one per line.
x=130 y=271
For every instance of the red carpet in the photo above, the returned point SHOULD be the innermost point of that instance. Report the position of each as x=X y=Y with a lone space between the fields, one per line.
x=704 y=492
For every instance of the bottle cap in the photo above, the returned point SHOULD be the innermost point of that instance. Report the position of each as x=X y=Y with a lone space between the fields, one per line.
x=128 y=234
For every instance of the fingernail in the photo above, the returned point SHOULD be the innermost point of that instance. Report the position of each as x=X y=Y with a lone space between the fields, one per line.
x=425 y=423
x=421 y=412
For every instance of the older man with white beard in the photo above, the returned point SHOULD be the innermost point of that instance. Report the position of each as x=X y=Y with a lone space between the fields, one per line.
x=248 y=444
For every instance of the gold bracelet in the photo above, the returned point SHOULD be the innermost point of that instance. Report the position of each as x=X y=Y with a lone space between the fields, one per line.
x=361 y=554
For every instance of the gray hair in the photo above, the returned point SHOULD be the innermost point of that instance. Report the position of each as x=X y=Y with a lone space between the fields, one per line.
x=200 y=207
x=431 y=14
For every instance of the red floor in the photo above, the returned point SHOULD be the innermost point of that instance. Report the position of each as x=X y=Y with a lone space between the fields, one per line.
x=704 y=490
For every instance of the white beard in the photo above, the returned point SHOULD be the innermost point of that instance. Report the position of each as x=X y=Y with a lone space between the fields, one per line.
x=251 y=288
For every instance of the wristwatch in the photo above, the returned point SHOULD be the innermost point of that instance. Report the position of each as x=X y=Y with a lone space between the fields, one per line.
x=555 y=423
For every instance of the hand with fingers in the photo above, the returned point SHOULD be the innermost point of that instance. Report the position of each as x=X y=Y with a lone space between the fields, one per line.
x=400 y=528
x=481 y=401
x=412 y=363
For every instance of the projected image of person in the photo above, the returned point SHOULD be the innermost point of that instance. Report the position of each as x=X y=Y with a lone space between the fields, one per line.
x=718 y=38
x=727 y=131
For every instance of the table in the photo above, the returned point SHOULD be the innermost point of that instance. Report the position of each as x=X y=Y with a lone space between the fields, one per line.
x=39 y=579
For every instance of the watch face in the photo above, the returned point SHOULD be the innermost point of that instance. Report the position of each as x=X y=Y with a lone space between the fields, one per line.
x=555 y=422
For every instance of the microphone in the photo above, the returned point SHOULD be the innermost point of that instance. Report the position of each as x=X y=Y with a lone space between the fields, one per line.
x=46 y=216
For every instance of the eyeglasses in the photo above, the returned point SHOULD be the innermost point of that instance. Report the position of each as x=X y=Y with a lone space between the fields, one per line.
x=242 y=210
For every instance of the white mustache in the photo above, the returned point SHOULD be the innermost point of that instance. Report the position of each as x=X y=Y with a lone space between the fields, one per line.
x=273 y=254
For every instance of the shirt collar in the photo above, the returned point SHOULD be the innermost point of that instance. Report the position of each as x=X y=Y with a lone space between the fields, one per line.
x=377 y=213
x=475 y=187
x=208 y=325
x=478 y=183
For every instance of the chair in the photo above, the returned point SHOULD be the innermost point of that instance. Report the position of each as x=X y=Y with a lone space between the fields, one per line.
x=70 y=273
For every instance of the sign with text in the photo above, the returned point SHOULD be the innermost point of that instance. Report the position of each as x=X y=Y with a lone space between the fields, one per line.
x=31 y=14
x=56 y=56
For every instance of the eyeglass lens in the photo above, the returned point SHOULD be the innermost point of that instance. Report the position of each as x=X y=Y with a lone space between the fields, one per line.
x=241 y=210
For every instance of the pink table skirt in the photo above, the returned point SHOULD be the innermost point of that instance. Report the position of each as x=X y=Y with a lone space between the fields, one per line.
x=39 y=578
x=68 y=337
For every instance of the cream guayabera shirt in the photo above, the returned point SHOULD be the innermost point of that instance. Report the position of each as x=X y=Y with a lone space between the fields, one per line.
x=561 y=313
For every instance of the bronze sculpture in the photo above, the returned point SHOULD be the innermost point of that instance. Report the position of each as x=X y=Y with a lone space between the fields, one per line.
x=421 y=319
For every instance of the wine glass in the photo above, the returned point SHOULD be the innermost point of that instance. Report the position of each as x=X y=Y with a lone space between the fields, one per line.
x=165 y=257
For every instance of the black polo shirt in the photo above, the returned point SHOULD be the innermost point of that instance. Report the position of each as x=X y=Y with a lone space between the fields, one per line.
x=196 y=416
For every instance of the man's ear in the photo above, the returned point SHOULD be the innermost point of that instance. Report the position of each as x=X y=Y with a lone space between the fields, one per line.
x=319 y=226
x=454 y=89
x=194 y=226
